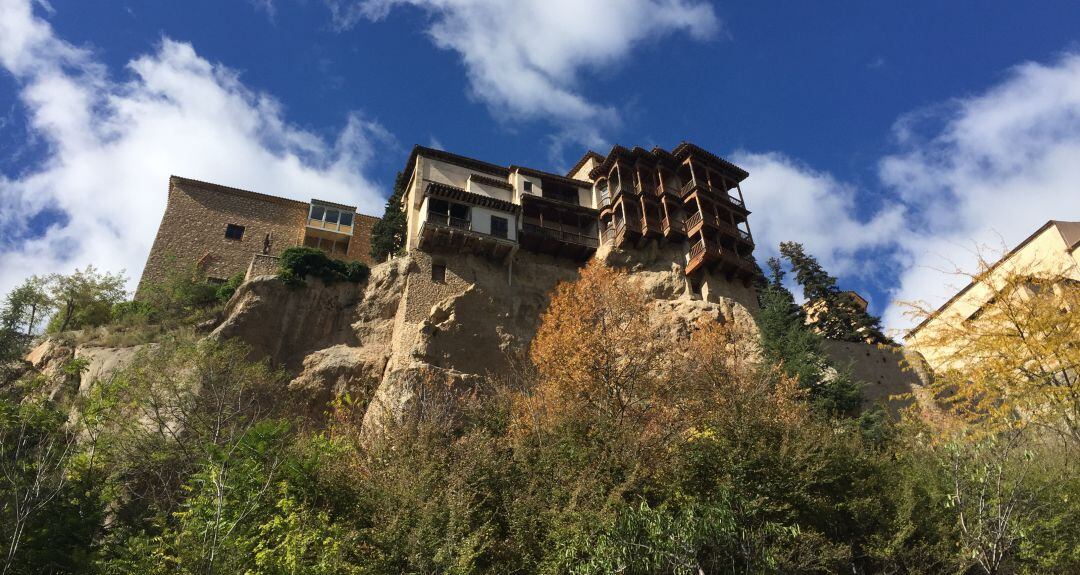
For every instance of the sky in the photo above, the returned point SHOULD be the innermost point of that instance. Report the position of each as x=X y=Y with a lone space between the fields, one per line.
x=893 y=140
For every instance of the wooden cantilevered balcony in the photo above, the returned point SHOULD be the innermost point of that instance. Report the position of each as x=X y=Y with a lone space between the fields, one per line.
x=693 y=187
x=558 y=229
x=673 y=226
x=442 y=231
x=699 y=221
x=707 y=253
x=627 y=230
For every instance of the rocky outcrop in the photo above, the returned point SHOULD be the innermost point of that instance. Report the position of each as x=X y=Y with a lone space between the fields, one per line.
x=54 y=360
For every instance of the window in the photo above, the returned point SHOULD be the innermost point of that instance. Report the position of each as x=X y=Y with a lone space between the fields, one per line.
x=234 y=232
x=438 y=273
x=317 y=212
x=499 y=227
x=346 y=219
x=331 y=216
x=528 y=186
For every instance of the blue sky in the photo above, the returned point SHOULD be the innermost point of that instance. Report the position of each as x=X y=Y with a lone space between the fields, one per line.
x=889 y=138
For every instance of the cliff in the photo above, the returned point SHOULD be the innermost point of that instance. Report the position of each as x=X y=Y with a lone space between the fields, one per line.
x=377 y=341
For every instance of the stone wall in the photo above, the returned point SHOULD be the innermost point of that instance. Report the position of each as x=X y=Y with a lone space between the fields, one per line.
x=883 y=370
x=192 y=230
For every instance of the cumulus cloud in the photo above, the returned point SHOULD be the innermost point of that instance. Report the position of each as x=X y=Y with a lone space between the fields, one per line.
x=985 y=170
x=792 y=201
x=111 y=145
x=524 y=59
x=982 y=171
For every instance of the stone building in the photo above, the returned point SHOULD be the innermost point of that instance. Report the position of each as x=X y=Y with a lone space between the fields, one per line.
x=1053 y=251
x=224 y=231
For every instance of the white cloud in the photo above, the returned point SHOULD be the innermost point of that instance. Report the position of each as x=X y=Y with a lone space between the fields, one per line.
x=793 y=202
x=111 y=146
x=991 y=169
x=986 y=170
x=525 y=58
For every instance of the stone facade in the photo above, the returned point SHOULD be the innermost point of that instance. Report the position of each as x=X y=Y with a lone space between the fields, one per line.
x=199 y=215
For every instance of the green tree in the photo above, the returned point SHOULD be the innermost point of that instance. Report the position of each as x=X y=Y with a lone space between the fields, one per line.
x=788 y=341
x=388 y=234
x=840 y=318
x=20 y=313
x=84 y=298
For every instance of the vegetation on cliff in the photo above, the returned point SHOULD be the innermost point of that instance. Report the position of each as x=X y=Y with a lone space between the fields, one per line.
x=614 y=449
x=388 y=234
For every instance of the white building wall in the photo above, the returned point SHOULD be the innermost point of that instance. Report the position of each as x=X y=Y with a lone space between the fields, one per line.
x=481 y=221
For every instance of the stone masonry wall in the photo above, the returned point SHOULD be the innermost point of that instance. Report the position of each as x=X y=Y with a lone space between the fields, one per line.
x=192 y=230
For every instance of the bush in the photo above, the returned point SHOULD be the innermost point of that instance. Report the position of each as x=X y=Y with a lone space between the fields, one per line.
x=134 y=311
x=298 y=263
x=226 y=290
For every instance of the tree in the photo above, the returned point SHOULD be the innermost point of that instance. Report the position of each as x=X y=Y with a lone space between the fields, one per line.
x=84 y=298
x=20 y=313
x=1015 y=361
x=840 y=317
x=787 y=340
x=388 y=234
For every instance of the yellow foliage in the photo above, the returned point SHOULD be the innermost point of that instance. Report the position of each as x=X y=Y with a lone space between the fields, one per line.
x=1016 y=361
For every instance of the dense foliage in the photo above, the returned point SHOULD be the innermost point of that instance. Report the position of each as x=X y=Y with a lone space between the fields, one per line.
x=300 y=262
x=388 y=234
x=612 y=449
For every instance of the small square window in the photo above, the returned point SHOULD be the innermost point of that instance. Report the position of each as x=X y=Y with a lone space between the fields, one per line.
x=234 y=232
x=345 y=219
x=438 y=273
x=317 y=212
x=499 y=227
x=528 y=186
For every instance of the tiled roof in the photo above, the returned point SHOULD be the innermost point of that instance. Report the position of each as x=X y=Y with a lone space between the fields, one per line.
x=491 y=182
x=441 y=155
x=588 y=155
x=550 y=176
x=685 y=149
x=1066 y=229
x=232 y=191
x=452 y=193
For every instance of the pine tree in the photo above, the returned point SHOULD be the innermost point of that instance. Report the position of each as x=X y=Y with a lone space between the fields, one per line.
x=388 y=234
x=840 y=317
x=787 y=340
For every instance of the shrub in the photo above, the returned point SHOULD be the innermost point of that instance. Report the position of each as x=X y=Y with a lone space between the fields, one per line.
x=226 y=290
x=298 y=263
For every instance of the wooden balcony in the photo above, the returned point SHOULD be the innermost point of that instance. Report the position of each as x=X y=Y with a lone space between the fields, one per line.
x=627 y=230
x=709 y=254
x=673 y=227
x=442 y=231
x=557 y=240
x=701 y=254
x=692 y=187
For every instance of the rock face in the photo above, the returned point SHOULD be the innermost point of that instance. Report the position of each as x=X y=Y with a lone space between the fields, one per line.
x=427 y=325
x=51 y=357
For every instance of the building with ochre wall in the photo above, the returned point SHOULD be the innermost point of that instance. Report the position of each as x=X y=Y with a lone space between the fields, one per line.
x=224 y=231
x=1053 y=251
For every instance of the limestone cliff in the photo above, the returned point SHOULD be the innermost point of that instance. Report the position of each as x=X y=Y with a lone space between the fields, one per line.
x=378 y=341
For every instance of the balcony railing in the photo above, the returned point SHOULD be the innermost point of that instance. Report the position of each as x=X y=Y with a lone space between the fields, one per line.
x=605 y=199
x=694 y=220
x=449 y=221
x=567 y=235
x=688 y=187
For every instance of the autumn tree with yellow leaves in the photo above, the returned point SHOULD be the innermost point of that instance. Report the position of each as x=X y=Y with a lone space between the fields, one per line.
x=1015 y=362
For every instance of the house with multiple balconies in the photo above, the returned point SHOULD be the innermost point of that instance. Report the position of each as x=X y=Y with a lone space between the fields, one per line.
x=621 y=200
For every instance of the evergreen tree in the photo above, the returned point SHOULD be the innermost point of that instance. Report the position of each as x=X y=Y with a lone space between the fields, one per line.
x=787 y=340
x=840 y=317
x=388 y=234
